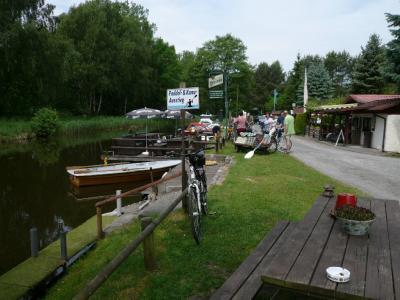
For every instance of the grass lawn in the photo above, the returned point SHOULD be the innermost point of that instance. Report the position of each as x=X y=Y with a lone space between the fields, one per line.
x=255 y=195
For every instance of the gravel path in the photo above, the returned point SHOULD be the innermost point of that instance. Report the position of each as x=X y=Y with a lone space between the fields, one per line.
x=377 y=175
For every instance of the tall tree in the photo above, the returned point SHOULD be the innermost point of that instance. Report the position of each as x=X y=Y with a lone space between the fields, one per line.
x=267 y=78
x=393 y=50
x=339 y=66
x=227 y=54
x=368 y=76
x=319 y=84
x=295 y=81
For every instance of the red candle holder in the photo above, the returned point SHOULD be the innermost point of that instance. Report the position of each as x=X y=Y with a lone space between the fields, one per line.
x=345 y=199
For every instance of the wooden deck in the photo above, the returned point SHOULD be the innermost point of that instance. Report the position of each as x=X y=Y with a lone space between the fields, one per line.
x=295 y=255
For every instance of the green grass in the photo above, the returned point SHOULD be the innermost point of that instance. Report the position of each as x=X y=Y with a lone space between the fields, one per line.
x=30 y=272
x=255 y=195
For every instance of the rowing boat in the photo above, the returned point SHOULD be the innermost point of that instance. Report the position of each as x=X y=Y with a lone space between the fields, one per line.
x=115 y=173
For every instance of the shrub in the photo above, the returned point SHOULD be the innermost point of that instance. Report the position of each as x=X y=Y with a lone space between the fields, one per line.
x=45 y=122
x=300 y=123
x=355 y=213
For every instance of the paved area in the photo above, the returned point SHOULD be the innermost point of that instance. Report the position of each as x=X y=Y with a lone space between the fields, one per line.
x=377 y=175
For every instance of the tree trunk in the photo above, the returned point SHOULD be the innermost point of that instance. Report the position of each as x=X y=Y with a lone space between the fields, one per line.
x=100 y=101
x=126 y=102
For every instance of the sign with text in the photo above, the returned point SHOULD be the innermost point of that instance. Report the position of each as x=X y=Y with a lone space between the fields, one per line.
x=216 y=94
x=183 y=98
x=215 y=80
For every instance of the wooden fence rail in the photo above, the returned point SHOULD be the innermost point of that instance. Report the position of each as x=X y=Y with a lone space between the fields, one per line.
x=100 y=232
x=95 y=283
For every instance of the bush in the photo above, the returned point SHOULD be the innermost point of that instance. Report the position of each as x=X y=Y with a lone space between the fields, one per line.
x=300 y=124
x=45 y=122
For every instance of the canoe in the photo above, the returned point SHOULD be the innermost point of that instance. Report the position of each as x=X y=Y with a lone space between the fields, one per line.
x=116 y=173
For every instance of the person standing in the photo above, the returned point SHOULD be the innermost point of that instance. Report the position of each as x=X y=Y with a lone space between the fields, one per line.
x=288 y=130
x=241 y=123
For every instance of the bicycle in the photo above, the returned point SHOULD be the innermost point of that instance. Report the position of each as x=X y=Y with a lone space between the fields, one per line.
x=281 y=142
x=197 y=192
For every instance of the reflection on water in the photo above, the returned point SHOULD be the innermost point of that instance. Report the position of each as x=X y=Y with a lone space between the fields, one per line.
x=35 y=191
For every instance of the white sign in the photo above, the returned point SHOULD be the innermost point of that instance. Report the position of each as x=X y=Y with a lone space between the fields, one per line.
x=215 y=80
x=183 y=98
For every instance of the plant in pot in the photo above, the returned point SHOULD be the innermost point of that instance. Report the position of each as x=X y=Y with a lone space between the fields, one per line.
x=355 y=220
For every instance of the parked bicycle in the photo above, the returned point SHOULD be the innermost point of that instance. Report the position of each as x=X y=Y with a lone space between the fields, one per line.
x=197 y=192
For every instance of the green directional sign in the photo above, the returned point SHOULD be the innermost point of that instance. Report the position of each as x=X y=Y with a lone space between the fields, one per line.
x=216 y=94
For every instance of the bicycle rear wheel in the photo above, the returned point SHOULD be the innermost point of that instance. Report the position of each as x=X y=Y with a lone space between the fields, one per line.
x=203 y=200
x=194 y=215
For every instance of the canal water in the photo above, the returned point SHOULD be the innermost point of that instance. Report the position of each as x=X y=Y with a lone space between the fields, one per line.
x=35 y=192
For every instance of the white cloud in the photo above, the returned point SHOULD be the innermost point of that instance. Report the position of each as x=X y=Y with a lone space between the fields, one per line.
x=272 y=30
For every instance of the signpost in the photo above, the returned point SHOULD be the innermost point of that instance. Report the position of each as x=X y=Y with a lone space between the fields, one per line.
x=217 y=78
x=183 y=98
x=216 y=94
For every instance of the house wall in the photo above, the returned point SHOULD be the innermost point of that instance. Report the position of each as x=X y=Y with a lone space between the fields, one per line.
x=377 y=135
x=392 y=140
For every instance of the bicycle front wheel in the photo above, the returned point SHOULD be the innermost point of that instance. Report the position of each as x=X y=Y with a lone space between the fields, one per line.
x=194 y=215
x=273 y=145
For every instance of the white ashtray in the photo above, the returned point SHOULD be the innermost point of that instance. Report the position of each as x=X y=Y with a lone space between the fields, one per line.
x=338 y=274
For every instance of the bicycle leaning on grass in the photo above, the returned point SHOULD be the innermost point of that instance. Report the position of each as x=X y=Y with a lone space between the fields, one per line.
x=197 y=192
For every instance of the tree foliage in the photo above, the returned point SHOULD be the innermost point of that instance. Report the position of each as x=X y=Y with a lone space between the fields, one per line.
x=318 y=83
x=368 y=76
x=393 y=50
x=340 y=67
x=267 y=78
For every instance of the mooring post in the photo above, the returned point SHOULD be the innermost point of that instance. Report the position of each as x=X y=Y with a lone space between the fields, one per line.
x=100 y=233
x=63 y=245
x=119 y=203
x=34 y=242
x=148 y=246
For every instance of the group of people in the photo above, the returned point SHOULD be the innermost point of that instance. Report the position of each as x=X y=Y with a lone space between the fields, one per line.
x=282 y=124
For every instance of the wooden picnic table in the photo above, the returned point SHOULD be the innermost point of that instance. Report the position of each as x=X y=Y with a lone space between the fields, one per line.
x=295 y=255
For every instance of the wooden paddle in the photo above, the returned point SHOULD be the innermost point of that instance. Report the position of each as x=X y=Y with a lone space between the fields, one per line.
x=251 y=153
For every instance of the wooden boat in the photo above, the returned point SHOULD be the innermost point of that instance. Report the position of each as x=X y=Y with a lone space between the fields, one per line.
x=114 y=173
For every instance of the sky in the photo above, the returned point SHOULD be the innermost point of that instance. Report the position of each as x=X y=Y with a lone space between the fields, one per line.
x=271 y=30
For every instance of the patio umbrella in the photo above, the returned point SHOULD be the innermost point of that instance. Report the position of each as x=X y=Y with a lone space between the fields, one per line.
x=176 y=114
x=144 y=113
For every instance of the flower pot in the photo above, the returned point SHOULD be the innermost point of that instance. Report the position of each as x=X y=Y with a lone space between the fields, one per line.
x=354 y=227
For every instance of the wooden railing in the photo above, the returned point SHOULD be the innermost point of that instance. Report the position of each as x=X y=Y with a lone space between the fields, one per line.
x=100 y=204
x=145 y=237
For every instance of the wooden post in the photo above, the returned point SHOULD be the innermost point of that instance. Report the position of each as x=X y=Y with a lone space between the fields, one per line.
x=183 y=151
x=217 y=143
x=119 y=202
x=154 y=188
x=100 y=233
x=148 y=246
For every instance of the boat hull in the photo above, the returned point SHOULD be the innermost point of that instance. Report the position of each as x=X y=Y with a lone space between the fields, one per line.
x=143 y=175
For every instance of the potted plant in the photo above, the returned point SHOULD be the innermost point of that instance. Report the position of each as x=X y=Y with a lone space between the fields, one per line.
x=355 y=220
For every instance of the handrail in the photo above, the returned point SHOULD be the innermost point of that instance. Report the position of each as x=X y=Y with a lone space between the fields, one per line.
x=138 y=189
x=95 y=283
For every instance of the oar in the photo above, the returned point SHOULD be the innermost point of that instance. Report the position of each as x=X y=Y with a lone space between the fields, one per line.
x=251 y=153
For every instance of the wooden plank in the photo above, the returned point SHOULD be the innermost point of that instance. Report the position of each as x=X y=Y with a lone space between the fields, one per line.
x=279 y=268
x=236 y=280
x=332 y=256
x=393 y=222
x=355 y=260
x=301 y=273
x=254 y=282
x=379 y=282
